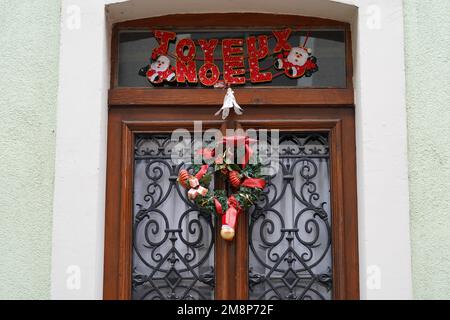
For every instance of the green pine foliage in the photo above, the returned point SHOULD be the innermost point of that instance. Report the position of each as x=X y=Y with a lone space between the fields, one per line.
x=246 y=197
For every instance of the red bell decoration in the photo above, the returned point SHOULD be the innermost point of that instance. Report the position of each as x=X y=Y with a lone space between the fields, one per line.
x=235 y=180
x=183 y=177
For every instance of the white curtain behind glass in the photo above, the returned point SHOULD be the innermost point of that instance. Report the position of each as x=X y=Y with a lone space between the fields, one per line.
x=173 y=244
x=290 y=230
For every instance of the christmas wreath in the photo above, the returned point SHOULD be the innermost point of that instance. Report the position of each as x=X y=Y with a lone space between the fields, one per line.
x=244 y=180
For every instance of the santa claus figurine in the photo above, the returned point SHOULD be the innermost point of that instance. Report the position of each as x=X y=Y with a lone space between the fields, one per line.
x=160 y=70
x=297 y=63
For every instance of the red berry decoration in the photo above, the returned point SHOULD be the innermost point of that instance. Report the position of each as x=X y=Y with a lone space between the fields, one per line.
x=183 y=177
x=235 y=180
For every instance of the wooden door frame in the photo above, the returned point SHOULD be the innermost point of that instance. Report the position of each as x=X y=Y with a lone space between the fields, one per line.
x=344 y=226
x=134 y=110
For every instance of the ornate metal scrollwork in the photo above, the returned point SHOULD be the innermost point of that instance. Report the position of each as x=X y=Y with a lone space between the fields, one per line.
x=173 y=241
x=289 y=230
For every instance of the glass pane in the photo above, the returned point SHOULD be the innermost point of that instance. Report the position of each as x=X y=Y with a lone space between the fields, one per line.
x=173 y=243
x=290 y=229
x=328 y=46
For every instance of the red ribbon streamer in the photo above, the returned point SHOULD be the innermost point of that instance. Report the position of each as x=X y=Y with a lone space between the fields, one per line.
x=202 y=172
x=233 y=211
x=218 y=206
x=254 y=183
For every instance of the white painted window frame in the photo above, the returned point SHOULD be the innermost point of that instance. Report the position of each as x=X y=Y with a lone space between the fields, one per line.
x=80 y=178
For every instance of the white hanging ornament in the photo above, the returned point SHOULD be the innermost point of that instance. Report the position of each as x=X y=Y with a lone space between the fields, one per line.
x=229 y=103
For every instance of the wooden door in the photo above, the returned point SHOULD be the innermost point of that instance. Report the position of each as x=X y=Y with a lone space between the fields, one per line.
x=230 y=275
x=318 y=123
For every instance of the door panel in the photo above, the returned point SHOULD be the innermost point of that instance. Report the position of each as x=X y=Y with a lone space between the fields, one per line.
x=290 y=228
x=173 y=242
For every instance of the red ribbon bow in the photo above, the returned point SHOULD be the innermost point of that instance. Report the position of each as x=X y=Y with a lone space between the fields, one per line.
x=235 y=141
x=239 y=141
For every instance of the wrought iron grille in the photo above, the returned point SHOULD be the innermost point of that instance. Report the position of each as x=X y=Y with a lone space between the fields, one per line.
x=173 y=242
x=289 y=230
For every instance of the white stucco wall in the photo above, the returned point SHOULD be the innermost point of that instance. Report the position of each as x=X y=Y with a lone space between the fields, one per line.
x=78 y=226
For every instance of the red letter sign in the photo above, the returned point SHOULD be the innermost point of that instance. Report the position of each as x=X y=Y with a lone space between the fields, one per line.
x=186 y=68
x=254 y=55
x=233 y=61
x=209 y=73
x=282 y=40
x=164 y=37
